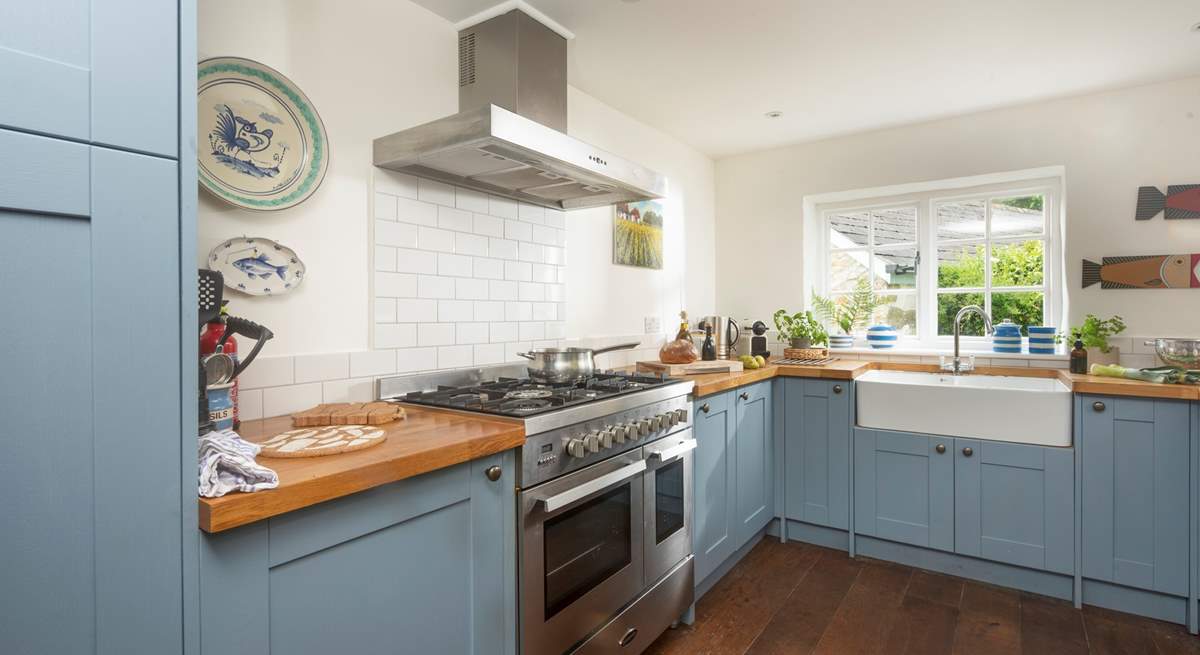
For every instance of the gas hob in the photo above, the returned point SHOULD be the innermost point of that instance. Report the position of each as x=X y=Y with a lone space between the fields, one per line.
x=522 y=397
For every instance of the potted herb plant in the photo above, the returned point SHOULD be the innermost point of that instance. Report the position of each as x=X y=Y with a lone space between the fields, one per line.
x=1094 y=333
x=800 y=330
x=848 y=312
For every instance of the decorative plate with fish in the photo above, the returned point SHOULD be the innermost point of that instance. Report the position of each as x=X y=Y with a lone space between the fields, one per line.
x=261 y=144
x=259 y=267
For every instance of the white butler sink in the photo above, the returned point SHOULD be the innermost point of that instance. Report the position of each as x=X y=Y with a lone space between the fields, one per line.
x=1023 y=410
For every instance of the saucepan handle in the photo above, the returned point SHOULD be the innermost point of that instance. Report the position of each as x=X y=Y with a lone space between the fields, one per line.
x=620 y=346
x=525 y=355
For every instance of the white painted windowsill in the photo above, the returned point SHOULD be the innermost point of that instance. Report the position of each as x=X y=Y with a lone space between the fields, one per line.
x=935 y=352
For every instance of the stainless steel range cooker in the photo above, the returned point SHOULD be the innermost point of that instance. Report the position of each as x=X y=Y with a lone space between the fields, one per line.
x=604 y=500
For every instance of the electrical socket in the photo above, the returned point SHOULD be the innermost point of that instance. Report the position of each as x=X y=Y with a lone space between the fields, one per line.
x=652 y=325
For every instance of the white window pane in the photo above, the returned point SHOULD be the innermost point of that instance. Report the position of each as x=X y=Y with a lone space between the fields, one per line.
x=961 y=220
x=847 y=268
x=1018 y=217
x=1020 y=264
x=1024 y=308
x=896 y=268
x=898 y=311
x=897 y=225
x=960 y=266
x=848 y=230
x=948 y=306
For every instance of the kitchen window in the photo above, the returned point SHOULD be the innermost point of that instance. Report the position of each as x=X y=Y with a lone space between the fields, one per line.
x=930 y=253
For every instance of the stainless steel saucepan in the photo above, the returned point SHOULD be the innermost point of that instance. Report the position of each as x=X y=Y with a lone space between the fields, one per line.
x=559 y=365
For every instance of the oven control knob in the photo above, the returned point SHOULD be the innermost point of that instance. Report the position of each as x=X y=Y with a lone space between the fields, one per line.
x=660 y=422
x=681 y=416
x=643 y=427
x=620 y=433
x=576 y=448
x=672 y=418
x=606 y=438
x=592 y=441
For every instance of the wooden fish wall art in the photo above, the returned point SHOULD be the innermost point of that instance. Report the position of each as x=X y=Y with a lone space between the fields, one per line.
x=1144 y=272
x=1180 y=201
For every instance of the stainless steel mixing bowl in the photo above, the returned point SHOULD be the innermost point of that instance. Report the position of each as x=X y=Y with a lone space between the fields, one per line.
x=1184 y=353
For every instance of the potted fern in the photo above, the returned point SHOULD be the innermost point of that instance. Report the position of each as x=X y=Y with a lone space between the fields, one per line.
x=848 y=312
x=1094 y=334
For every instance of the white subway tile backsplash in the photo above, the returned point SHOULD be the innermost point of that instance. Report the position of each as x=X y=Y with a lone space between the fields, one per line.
x=556 y=218
x=278 y=401
x=532 y=291
x=385 y=206
x=450 y=218
x=551 y=343
x=471 y=333
x=396 y=184
x=267 y=372
x=318 y=368
x=520 y=271
x=518 y=231
x=489 y=354
x=502 y=248
x=531 y=213
x=502 y=290
x=470 y=244
x=435 y=334
x=518 y=311
x=469 y=200
x=435 y=192
x=562 y=274
x=532 y=331
x=471 y=289
x=402 y=235
x=450 y=311
x=488 y=269
x=395 y=285
x=395 y=335
x=489 y=310
x=431 y=238
x=545 y=311
x=502 y=332
x=554 y=255
x=416 y=212
x=409 y=360
x=529 y=252
x=547 y=236
x=385 y=258
x=544 y=273
x=502 y=207
x=454 y=265
x=385 y=310
x=409 y=260
x=416 y=310
x=372 y=362
x=353 y=390
x=511 y=350
x=432 y=286
x=488 y=226
x=250 y=404
x=455 y=356
x=558 y=330
x=556 y=292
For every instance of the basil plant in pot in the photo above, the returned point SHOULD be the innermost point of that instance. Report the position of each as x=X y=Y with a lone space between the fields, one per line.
x=848 y=312
x=1094 y=333
x=800 y=330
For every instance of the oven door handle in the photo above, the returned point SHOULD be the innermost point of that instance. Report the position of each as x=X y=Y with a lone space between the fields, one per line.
x=678 y=449
x=560 y=500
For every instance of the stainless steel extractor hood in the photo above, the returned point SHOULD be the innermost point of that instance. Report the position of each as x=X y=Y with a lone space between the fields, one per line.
x=503 y=141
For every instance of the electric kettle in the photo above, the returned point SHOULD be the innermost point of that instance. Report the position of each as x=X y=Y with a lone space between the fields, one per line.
x=725 y=333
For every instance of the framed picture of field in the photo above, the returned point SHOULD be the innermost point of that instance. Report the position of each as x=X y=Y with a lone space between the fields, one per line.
x=638 y=234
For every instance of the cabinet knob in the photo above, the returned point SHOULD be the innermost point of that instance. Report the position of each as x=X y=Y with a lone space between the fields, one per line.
x=837 y=388
x=940 y=448
x=705 y=408
x=744 y=396
x=968 y=451
x=493 y=473
x=1098 y=406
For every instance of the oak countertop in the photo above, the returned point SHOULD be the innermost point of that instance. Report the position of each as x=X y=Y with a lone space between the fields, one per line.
x=428 y=440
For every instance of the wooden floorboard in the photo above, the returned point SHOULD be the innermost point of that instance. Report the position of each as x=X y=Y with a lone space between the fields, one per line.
x=799 y=599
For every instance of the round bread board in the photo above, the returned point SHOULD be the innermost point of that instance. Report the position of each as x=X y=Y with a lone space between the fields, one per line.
x=320 y=441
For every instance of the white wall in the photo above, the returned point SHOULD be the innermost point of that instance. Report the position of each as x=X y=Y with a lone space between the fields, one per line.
x=1109 y=143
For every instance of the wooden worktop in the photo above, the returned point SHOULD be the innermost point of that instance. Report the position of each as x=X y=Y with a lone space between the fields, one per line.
x=428 y=440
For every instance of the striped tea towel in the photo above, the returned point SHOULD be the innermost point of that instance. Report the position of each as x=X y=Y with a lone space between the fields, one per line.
x=227 y=464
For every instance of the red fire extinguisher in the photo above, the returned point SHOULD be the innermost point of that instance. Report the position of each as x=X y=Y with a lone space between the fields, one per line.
x=214 y=330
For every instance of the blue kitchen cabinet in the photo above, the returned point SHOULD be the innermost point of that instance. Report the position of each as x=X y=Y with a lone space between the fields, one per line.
x=1014 y=503
x=1135 y=490
x=755 y=488
x=816 y=433
x=904 y=487
x=104 y=72
x=714 y=536
x=423 y=565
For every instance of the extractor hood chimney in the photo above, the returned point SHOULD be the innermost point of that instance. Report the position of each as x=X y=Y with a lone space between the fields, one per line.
x=509 y=138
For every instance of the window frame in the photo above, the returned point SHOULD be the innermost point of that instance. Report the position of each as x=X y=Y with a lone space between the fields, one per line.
x=927 y=290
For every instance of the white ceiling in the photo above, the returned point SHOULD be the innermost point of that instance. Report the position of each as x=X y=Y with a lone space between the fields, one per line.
x=707 y=70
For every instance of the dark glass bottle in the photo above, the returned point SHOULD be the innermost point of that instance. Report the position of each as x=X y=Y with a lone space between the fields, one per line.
x=708 y=352
x=1079 y=358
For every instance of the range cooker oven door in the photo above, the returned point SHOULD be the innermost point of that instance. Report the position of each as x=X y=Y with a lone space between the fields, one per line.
x=668 y=534
x=581 y=552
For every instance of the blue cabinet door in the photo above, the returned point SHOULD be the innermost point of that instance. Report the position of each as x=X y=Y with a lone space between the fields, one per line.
x=101 y=71
x=816 y=436
x=1135 y=491
x=1014 y=503
x=424 y=565
x=755 y=490
x=904 y=487
x=715 y=480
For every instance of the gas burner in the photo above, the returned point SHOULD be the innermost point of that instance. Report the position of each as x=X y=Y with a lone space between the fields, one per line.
x=467 y=399
x=583 y=394
x=528 y=394
x=524 y=406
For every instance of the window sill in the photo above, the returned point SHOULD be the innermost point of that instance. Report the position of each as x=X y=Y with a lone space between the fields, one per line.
x=935 y=352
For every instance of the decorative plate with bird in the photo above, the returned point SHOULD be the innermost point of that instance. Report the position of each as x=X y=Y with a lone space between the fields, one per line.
x=261 y=144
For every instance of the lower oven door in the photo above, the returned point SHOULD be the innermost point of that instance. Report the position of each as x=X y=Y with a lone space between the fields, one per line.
x=581 y=552
x=668 y=533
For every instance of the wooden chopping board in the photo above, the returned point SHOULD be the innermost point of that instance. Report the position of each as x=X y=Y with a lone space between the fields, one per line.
x=374 y=413
x=320 y=441
x=695 y=368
